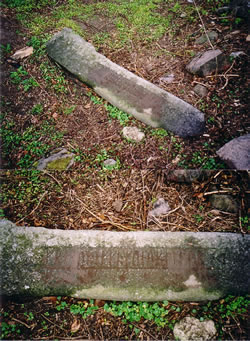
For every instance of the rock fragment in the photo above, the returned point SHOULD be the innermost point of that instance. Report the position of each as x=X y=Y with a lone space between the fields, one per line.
x=59 y=160
x=236 y=153
x=161 y=207
x=133 y=133
x=191 y=329
x=207 y=63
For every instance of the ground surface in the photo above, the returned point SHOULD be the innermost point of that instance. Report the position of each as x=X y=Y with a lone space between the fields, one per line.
x=44 y=107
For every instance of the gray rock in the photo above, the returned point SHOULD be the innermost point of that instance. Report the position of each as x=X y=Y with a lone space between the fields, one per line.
x=138 y=266
x=191 y=329
x=207 y=63
x=213 y=36
x=224 y=202
x=109 y=163
x=168 y=78
x=188 y=175
x=133 y=133
x=200 y=90
x=161 y=207
x=59 y=160
x=123 y=89
x=236 y=153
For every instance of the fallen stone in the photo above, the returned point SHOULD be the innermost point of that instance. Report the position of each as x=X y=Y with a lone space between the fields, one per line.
x=188 y=175
x=191 y=329
x=207 y=63
x=59 y=160
x=117 y=205
x=224 y=202
x=123 y=89
x=212 y=35
x=168 y=78
x=236 y=153
x=133 y=133
x=248 y=38
x=136 y=266
x=23 y=53
x=110 y=164
x=200 y=90
x=161 y=207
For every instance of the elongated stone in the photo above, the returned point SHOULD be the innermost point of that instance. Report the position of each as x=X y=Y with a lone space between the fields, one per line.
x=148 y=266
x=122 y=88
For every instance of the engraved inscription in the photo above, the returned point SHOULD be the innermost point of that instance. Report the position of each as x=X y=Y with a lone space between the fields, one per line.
x=123 y=266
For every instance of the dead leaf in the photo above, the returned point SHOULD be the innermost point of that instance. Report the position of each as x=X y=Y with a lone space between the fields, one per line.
x=23 y=53
x=52 y=299
x=55 y=115
x=75 y=326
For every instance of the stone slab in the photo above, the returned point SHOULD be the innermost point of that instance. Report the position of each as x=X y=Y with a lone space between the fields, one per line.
x=143 y=266
x=130 y=93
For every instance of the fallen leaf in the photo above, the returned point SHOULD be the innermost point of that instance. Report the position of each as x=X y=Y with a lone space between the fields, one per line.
x=75 y=326
x=23 y=53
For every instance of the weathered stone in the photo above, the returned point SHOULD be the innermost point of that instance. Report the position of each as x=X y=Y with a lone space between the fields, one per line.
x=23 y=53
x=200 y=90
x=224 y=202
x=148 y=266
x=236 y=153
x=161 y=207
x=110 y=163
x=122 y=88
x=209 y=62
x=133 y=133
x=167 y=78
x=212 y=35
x=191 y=329
x=60 y=160
x=188 y=175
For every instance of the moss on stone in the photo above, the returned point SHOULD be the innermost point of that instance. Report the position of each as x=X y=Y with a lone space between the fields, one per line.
x=60 y=164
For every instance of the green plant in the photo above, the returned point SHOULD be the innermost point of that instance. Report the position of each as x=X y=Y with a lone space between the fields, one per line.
x=159 y=132
x=198 y=218
x=5 y=48
x=245 y=222
x=61 y=305
x=30 y=316
x=7 y=329
x=69 y=110
x=37 y=109
x=85 y=310
x=135 y=311
x=118 y=114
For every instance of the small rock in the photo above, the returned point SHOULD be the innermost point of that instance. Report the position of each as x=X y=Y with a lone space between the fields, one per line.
x=207 y=63
x=248 y=38
x=23 y=53
x=109 y=163
x=236 y=153
x=133 y=133
x=200 y=90
x=167 y=78
x=59 y=160
x=192 y=329
x=188 y=175
x=117 y=205
x=237 y=54
x=213 y=36
x=161 y=207
x=224 y=202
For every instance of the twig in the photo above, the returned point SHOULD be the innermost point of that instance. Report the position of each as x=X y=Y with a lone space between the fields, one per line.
x=25 y=324
x=144 y=330
x=104 y=221
x=203 y=25
x=47 y=173
x=53 y=322
x=215 y=192
x=17 y=222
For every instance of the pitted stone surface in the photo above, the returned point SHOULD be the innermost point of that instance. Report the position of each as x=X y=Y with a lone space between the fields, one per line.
x=148 y=266
x=130 y=93
x=208 y=62
x=236 y=153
